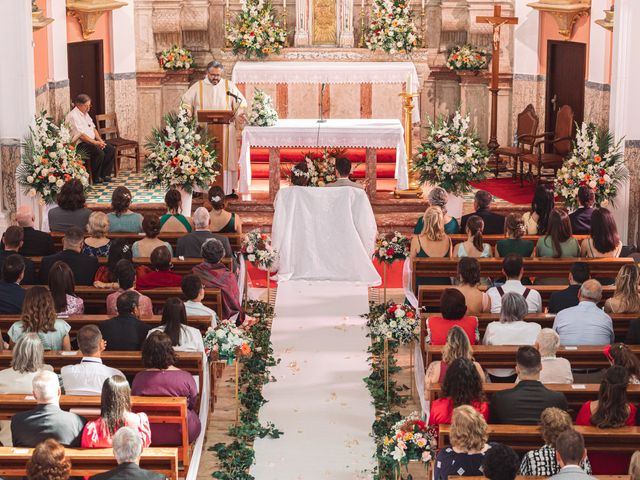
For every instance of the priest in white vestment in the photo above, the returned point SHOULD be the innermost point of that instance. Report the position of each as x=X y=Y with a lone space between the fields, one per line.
x=215 y=93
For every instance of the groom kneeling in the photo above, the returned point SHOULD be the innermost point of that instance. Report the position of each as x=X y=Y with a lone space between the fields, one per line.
x=343 y=169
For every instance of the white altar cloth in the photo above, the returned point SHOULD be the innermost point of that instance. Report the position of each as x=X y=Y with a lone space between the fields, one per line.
x=325 y=234
x=335 y=133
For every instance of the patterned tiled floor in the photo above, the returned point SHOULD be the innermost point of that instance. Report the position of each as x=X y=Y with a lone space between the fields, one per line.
x=134 y=182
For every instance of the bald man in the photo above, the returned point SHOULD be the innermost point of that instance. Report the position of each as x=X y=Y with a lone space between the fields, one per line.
x=35 y=243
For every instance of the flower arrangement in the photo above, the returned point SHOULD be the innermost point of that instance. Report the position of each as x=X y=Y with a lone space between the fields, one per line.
x=256 y=249
x=452 y=156
x=595 y=161
x=179 y=156
x=227 y=341
x=391 y=247
x=255 y=30
x=392 y=28
x=321 y=169
x=263 y=113
x=409 y=439
x=175 y=58
x=396 y=322
x=49 y=160
x=466 y=57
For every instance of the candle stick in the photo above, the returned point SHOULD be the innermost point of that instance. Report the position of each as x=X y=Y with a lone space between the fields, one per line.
x=227 y=5
x=410 y=83
x=422 y=4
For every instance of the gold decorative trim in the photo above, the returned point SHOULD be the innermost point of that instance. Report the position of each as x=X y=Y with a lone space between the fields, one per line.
x=607 y=21
x=565 y=12
x=89 y=11
x=39 y=20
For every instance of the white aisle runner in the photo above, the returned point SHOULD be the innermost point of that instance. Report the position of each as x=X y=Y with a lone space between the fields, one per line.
x=319 y=400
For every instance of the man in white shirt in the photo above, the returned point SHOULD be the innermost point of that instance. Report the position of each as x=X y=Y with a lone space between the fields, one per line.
x=343 y=169
x=87 y=138
x=194 y=292
x=87 y=377
x=512 y=267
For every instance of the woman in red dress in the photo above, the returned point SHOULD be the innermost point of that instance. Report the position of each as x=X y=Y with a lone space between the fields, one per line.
x=453 y=307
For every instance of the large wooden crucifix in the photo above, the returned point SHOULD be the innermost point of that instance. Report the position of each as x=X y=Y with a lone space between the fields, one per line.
x=496 y=22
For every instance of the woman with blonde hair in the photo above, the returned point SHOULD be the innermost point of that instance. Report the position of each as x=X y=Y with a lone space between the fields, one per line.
x=432 y=242
x=626 y=298
x=514 y=229
x=97 y=244
x=438 y=197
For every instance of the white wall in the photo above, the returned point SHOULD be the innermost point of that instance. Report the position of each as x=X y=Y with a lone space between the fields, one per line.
x=123 y=39
x=57 y=31
x=526 y=39
x=599 y=43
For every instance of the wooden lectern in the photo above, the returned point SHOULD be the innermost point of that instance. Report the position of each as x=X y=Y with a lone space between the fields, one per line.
x=215 y=121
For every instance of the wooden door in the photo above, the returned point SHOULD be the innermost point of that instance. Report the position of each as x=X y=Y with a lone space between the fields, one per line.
x=86 y=73
x=566 y=64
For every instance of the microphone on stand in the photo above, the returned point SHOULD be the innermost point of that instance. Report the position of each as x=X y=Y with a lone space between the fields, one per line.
x=231 y=94
x=322 y=120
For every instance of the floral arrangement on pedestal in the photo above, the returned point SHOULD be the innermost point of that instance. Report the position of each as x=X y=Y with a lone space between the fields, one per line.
x=175 y=58
x=410 y=439
x=255 y=31
x=467 y=57
x=49 y=160
x=263 y=113
x=595 y=161
x=392 y=28
x=394 y=321
x=226 y=342
x=391 y=247
x=256 y=249
x=452 y=156
x=179 y=157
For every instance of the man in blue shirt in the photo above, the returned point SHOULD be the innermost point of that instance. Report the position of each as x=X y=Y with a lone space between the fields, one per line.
x=11 y=293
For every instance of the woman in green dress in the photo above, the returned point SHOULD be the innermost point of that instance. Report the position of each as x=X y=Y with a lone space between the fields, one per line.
x=514 y=229
x=174 y=220
x=438 y=198
x=559 y=242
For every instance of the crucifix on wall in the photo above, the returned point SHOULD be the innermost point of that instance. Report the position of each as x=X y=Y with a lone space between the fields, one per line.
x=496 y=21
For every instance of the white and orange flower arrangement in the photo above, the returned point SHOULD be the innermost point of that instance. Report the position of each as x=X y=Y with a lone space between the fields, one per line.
x=391 y=247
x=257 y=250
x=396 y=322
x=179 y=157
x=466 y=57
x=226 y=342
x=392 y=28
x=49 y=160
x=408 y=440
x=255 y=31
x=175 y=58
x=321 y=168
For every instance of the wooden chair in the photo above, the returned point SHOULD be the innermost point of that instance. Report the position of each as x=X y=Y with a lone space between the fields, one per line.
x=107 y=126
x=559 y=141
x=526 y=130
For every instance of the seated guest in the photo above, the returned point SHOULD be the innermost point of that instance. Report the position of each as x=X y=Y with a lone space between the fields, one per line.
x=611 y=410
x=48 y=462
x=462 y=386
x=189 y=245
x=501 y=462
x=558 y=241
x=34 y=243
x=626 y=298
x=193 y=290
x=162 y=378
x=161 y=274
x=468 y=436
x=493 y=223
x=343 y=170
x=47 y=420
x=581 y=217
x=151 y=227
x=474 y=246
x=512 y=329
x=97 y=244
x=106 y=274
x=634 y=467
x=543 y=462
x=126 y=279
x=214 y=274
x=452 y=309
x=568 y=297
x=39 y=316
x=84 y=267
x=63 y=290
x=122 y=219
x=174 y=220
x=300 y=174
x=468 y=280
x=570 y=453
x=523 y=404
x=513 y=269
x=126 y=331
x=174 y=323
x=621 y=355
x=438 y=197
x=605 y=240
x=554 y=369
x=12 y=240
x=11 y=293
x=71 y=210
x=127 y=448
x=432 y=241
x=514 y=229
x=87 y=377
x=115 y=413
x=222 y=221
x=536 y=219
x=585 y=324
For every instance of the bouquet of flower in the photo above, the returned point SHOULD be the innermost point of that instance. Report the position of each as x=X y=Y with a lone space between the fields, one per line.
x=263 y=113
x=391 y=28
x=49 y=160
x=179 y=156
x=227 y=342
x=256 y=31
x=397 y=322
x=409 y=439
x=595 y=161
x=256 y=248
x=175 y=58
x=321 y=169
x=391 y=247
x=452 y=155
x=466 y=57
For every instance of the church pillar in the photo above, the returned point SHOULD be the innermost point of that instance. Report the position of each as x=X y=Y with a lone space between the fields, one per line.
x=345 y=24
x=597 y=88
x=59 y=100
x=302 y=36
x=432 y=27
x=474 y=101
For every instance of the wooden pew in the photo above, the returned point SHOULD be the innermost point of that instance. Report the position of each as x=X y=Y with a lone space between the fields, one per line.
x=493 y=239
x=91 y=461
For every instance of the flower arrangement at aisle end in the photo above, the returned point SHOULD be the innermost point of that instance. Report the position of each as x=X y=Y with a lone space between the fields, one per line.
x=466 y=57
x=394 y=321
x=392 y=28
x=597 y=162
x=409 y=439
x=452 y=155
x=255 y=31
x=179 y=157
x=256 y=249
x=226 y=342
x=175 y=58
x=391 y=247
x=49 y=160
x=263 y=113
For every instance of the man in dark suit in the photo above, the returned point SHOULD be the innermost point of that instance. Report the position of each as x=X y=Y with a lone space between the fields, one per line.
x=568 y=297
x=126 y=331
x=84 y=266
x=189 y=245
x=581 y=218
x=493 y=223
x=47 y=420
x=127 y=448
x=11 y=293
x=13 y=239
x=35 y=242
x=523 y=404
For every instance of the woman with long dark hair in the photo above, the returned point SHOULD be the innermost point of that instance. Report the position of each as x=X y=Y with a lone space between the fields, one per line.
x=542 y=204
x=62 y=286
x=71 y=210
x=468 y=281
x=174 y=220
x=174 y=323
x=222 y=221
x=558 y=241
x=474 y=245
x=122 y=219
x=621 y=355
x=605 y=240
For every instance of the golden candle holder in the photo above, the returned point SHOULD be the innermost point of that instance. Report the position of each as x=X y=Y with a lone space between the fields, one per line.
x=412 y=348
x=284 y=23
x=268 y=286
x=414 y=190
x=361 y=43
x=227 y=27
x=384 y=282
x=423 y=29
x=237 y=395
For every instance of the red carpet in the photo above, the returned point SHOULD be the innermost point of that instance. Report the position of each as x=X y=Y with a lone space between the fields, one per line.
x=506 y=189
